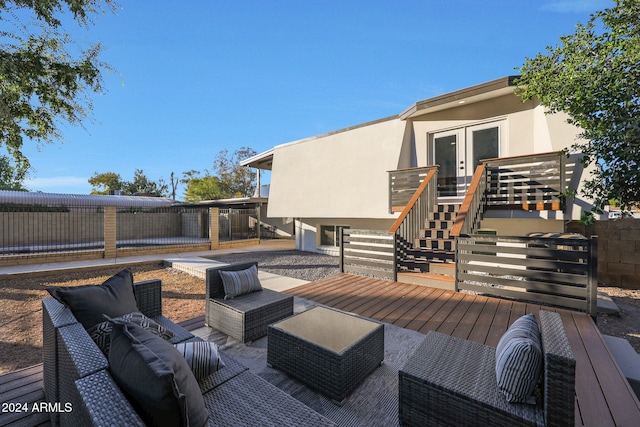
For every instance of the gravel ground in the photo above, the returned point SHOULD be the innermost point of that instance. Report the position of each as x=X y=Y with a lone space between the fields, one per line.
x=297 y=264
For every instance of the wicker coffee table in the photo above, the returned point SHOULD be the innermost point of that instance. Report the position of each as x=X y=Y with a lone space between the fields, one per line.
x=330 y=351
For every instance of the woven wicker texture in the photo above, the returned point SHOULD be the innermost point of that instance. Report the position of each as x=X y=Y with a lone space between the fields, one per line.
x=54 y=315
x=333 y=374
x=149 y=297
x=451 y=382
x=103 y=404
x=78 y=356
x=560 y=370
x=248 y=400
x=245 y=317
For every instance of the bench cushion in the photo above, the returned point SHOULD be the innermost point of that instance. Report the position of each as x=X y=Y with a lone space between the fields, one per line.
x=519 y=360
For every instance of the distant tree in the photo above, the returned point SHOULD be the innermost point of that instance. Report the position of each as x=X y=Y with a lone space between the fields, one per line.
x=594 y=77
x=236 y=180
x=228 y=180
x=200 y=188
x=45 y=77
x=12 y=177
x=173 y=181
x=143 y=185
x=104 y=183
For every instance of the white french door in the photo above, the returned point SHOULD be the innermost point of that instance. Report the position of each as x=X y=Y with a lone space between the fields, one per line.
x=459 y=151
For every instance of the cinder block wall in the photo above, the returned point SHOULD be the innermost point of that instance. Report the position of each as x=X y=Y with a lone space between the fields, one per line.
x=618 y=250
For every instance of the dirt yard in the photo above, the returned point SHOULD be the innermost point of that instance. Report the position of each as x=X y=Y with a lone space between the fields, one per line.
x=21 y=322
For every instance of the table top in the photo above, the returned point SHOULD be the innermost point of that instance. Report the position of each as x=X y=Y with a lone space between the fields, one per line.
x=327 y=328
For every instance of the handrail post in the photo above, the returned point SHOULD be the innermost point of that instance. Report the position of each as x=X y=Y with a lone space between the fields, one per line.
x=592 y=282
x=341 y=250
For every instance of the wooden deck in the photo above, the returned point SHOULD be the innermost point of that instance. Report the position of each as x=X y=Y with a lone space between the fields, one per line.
x=603 y=396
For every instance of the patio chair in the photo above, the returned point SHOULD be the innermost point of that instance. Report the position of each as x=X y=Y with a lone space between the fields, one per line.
x=247 y=316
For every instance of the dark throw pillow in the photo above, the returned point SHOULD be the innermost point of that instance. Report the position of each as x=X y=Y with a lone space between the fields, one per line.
x=201 y=356
x=240 y=282
x=101 y=333
x=88 y=303
x=155 y=377
x=519 y=360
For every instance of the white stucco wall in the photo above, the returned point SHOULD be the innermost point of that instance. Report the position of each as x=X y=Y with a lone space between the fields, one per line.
x=341 y=175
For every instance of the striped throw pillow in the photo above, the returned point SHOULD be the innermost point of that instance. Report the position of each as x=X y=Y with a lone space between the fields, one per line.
x=519 y=360
x=201 y=356
x=240 y=282
x=101 y=333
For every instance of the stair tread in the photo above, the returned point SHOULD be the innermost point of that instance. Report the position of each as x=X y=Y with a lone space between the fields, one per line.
x=428 y=276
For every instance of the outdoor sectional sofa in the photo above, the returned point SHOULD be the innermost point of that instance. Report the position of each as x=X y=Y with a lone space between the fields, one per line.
x=77 y=376
x=450 y=381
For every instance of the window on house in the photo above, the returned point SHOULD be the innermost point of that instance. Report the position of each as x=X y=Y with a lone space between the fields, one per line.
x=330 y=235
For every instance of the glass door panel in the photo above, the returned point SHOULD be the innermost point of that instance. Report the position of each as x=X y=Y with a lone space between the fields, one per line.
x=485 y=145
x=445 y=155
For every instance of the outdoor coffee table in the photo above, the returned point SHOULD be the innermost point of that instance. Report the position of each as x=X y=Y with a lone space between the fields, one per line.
x=328 y=350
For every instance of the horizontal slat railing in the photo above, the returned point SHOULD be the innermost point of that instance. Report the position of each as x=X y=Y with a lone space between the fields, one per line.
x=403 y=184
x=473 y=205
x=406 y=228
x=532 y=182
x=555 y=271
x=367 y=252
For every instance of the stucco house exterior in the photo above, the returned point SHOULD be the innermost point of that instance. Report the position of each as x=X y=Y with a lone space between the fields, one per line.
x=344 y=179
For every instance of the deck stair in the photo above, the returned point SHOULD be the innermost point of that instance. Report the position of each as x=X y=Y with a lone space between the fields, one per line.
x=431 y=260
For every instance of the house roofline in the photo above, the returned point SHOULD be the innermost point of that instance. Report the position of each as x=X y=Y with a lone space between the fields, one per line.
x=491 y=89
x=483 y=91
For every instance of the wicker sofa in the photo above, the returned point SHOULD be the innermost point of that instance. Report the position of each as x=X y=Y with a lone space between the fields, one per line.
x=76 y=372
x=450 y=381
x=244 y=317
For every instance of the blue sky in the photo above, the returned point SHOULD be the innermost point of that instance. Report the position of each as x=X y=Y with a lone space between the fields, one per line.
x=195 y=77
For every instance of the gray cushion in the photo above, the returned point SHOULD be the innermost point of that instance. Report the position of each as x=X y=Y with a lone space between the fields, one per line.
x=101 y=333
x=519 y=360
x=240 y=282
x=88 y=303
x=201 y=356
x=155 y=377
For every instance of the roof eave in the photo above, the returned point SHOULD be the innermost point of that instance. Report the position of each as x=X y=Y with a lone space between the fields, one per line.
x=492 y=89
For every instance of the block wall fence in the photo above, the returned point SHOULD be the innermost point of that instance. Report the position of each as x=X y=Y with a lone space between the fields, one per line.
x=618 y=250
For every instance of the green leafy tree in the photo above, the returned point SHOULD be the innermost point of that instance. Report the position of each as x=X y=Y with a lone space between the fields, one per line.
x=45 y=78
x=200 y=188
x=236 y=180
x=143 y=185
x=593 y=75
x=229 y=178
x=104 y=183
x=12 y=177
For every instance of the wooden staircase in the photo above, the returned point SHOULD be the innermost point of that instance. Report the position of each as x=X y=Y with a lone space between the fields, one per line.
x=431 y=261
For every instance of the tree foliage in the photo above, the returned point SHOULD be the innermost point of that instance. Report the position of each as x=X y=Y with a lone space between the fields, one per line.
x=12 y=177
x=200 y=188
x=593 y=75
x=105 y=183
x=45 y=78
x=228 y=180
